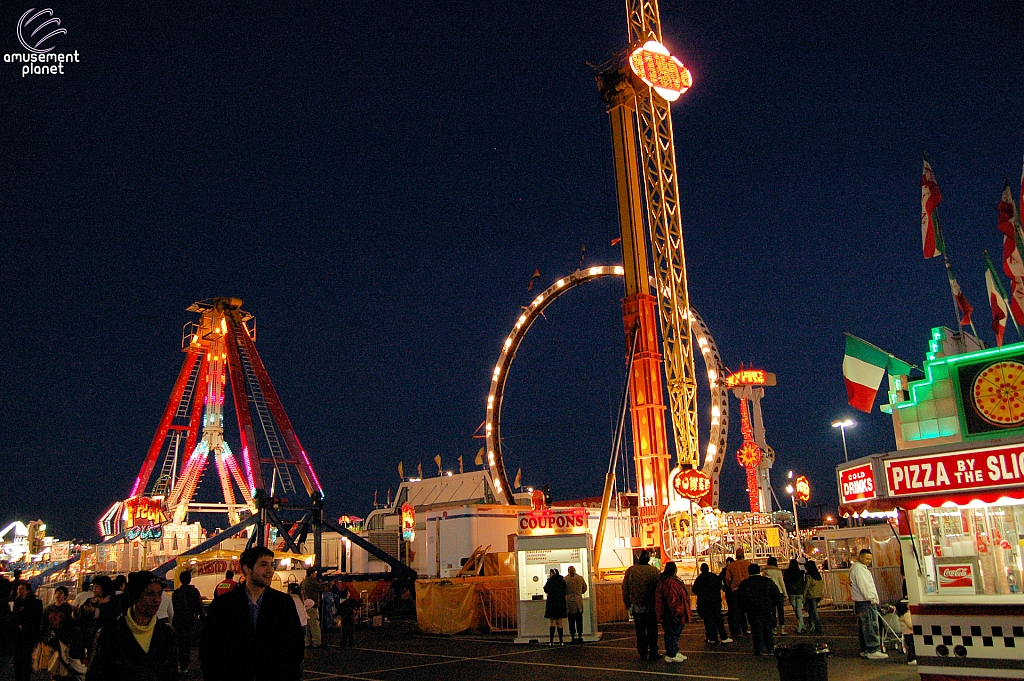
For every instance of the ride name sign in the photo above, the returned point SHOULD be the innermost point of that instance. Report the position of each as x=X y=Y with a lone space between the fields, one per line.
x=553 y=521
x=956 y=471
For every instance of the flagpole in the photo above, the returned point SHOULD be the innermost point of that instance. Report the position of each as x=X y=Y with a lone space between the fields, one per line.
x=1002 y=292
x=952 y=278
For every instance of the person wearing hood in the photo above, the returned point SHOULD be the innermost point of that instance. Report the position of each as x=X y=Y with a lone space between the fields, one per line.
x=672 y=605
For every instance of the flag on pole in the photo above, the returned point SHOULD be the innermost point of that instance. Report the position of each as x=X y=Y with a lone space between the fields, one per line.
x=997 y=299
x=535 y=277
x=1013 y=247
x=863 y=368
x=931 y=235
x=419 y=470
x=519 y=479
x=961 y=300
x=437 y=460
x=461 y=469
x=401 y=471
x=480 y=457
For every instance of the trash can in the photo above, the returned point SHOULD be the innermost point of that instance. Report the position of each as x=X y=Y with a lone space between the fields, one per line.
x=802 y=662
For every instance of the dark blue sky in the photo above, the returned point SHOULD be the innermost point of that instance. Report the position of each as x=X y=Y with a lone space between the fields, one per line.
x=378 y=183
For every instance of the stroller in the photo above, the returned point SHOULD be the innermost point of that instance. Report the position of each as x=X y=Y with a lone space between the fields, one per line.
x=890 y=634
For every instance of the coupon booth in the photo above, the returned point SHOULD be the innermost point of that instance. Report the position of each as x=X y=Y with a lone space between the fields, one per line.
x=551 y=538
x=955 y=491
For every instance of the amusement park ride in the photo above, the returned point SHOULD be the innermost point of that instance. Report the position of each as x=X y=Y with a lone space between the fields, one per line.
x=637 y=88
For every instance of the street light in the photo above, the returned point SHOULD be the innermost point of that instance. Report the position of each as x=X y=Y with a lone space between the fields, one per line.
x=842 y=426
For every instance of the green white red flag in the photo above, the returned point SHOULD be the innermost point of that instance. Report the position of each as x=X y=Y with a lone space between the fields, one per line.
x=931 y=235
x=997 y=300
x=863 y=368
x=961 y=300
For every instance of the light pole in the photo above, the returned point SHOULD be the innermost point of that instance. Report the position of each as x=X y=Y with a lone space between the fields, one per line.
x=842 y=426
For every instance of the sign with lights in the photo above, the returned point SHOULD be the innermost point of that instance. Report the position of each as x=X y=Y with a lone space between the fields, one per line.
x=553 y=521
x=749 y=455
x=143 y=517
x=802 y=488
x=955 y=471
x=408 y=522
x=753 y=377
x=857 y=484
x=691 y=484
x=656 y=67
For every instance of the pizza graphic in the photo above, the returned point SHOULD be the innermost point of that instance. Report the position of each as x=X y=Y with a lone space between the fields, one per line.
x=998 y=393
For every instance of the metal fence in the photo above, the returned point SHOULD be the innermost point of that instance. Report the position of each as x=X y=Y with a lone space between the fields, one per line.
x=499 y=606
x=888 y=582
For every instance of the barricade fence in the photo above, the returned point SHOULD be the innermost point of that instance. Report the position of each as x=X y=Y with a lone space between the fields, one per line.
x=888 y=583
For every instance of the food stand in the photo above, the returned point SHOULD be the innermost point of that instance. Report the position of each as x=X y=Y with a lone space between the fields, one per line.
x=551 y=538
x=955 y=490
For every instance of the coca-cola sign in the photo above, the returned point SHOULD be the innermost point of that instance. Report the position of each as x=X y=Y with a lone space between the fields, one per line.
x=857 y=484
x=956 y=578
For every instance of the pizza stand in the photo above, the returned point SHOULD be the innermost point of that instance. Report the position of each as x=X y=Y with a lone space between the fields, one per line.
x=954 y=489
x=551 y=538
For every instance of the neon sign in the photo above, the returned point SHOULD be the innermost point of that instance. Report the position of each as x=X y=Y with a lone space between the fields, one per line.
x=802 y=488
x=691 y=483
x=144 y=513
x=746 y=377
x=408 y=522
x=553 y=521
x=656 y=67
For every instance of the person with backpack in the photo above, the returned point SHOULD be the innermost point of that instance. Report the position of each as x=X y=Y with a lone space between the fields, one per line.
x=672 y=606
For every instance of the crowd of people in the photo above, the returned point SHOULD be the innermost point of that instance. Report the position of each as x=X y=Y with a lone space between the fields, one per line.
x=754 y=598
x=134 y=628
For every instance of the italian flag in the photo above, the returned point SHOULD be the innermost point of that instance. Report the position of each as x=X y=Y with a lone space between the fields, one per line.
x=863 y=368
x=1013 y=267
x=997 y=299
x=931 y=236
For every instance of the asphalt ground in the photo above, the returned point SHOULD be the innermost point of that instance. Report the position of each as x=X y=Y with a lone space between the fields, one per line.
x=398 y=652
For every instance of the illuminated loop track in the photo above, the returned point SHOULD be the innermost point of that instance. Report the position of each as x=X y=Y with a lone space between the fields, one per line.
x=713 y=361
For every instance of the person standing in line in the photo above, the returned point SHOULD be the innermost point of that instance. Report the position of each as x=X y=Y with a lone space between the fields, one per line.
x=166 y=612
x=28 y=618
x=638 y=586
x=760 y=600
x=136 y=645
x=555 y=608
x=729 y=597
x=252 y=633
x=813 y=593
x=708 y=590
x=672 y=606
x=347 y=614
x=772 y=572
x=865 y=604
x=796 y=582
x=7 y=631
x=735 y=574
x=188 y=609
x=313 y=591
x=575 y=587
x=227 y=585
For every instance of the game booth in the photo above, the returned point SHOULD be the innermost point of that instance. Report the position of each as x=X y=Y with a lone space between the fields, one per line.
x=955 y=490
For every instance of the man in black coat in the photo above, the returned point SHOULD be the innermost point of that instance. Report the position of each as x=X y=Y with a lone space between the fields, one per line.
x=252 y=633
x=760 y=598
x=28 y=616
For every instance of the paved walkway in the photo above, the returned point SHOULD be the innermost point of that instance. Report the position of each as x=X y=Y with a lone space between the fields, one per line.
x=397 y=652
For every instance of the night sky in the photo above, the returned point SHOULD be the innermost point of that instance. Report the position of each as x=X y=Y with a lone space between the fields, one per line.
x=378 y=182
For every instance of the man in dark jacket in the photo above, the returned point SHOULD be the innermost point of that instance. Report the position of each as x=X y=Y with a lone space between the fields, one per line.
x=252 y=633
x=188 y=608
x=28 y=616
x=759 y=598
x=708 y=590
x=638 y=587
x=135 y=646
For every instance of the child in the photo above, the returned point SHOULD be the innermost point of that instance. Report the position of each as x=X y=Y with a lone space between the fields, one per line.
x=347 y=610
x=907 y=627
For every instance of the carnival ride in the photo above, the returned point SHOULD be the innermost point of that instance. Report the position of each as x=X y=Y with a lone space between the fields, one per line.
x=755 y=455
